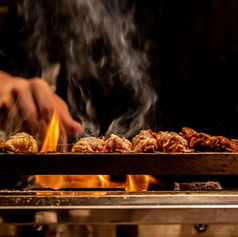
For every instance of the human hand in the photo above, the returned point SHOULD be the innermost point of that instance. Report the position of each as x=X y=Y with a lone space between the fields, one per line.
x=32 y=102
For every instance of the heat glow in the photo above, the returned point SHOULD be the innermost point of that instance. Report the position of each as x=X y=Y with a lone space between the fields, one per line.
x=131 y=183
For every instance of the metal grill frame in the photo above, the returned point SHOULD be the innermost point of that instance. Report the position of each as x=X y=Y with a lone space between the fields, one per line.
x=206 y=163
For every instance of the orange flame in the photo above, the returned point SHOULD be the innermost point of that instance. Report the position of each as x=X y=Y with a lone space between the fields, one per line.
x=140 y=182
x=50 y=181
x=132 y=182
x=52 y=134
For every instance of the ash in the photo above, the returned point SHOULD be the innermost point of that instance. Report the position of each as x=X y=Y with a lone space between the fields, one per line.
x=197 y=186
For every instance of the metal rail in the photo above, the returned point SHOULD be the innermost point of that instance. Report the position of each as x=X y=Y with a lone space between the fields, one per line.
x=121 y=208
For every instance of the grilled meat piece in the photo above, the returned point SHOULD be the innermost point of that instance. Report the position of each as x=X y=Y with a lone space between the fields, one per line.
x=188 y=133
x=117 y=144
x=21 y=142
x=171 y=142
x=222 y=143
x=200 y=140
x=144 y=141
x=203 y=141
x=88 y=144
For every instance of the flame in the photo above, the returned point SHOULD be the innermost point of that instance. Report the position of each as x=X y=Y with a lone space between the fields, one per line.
x=52 y=134
x=132 y=182
x=50 y=181
x=140 y=182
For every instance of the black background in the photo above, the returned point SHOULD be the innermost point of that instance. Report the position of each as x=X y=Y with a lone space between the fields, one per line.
x=192 y=47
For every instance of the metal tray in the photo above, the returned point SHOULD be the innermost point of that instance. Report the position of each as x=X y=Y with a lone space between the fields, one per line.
x=120 y=208
x=160 y=163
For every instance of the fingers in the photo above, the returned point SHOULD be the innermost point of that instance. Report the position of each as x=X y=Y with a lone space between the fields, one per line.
x=34 y=103
x=27 y=107
x=72 y=127
x=44 y=98
x=48 y=102
x=63 y=134
x=6 y=103
x=11 y=120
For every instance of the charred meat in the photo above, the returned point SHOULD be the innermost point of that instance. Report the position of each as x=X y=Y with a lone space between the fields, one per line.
x=117 y=144
x=203 y=141
x=188 y=133
x=89 y=144
x=21 y=142
x=171 y=142
x=144 y=141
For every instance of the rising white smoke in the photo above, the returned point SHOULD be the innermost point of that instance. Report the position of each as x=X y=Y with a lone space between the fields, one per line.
x=67 y=32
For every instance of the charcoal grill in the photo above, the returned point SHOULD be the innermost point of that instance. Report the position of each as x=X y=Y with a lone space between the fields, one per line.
x=118 y=210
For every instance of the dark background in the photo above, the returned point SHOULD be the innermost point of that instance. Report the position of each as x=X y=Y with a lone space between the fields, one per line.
x=194 y=60
x=4 y=5
x=192 y=47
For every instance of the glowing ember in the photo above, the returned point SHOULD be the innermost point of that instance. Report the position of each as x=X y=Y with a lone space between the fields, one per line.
x=52 y=135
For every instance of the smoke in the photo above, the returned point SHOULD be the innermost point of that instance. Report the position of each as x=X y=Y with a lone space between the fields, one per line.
x=92 y=40
x=12 y=122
